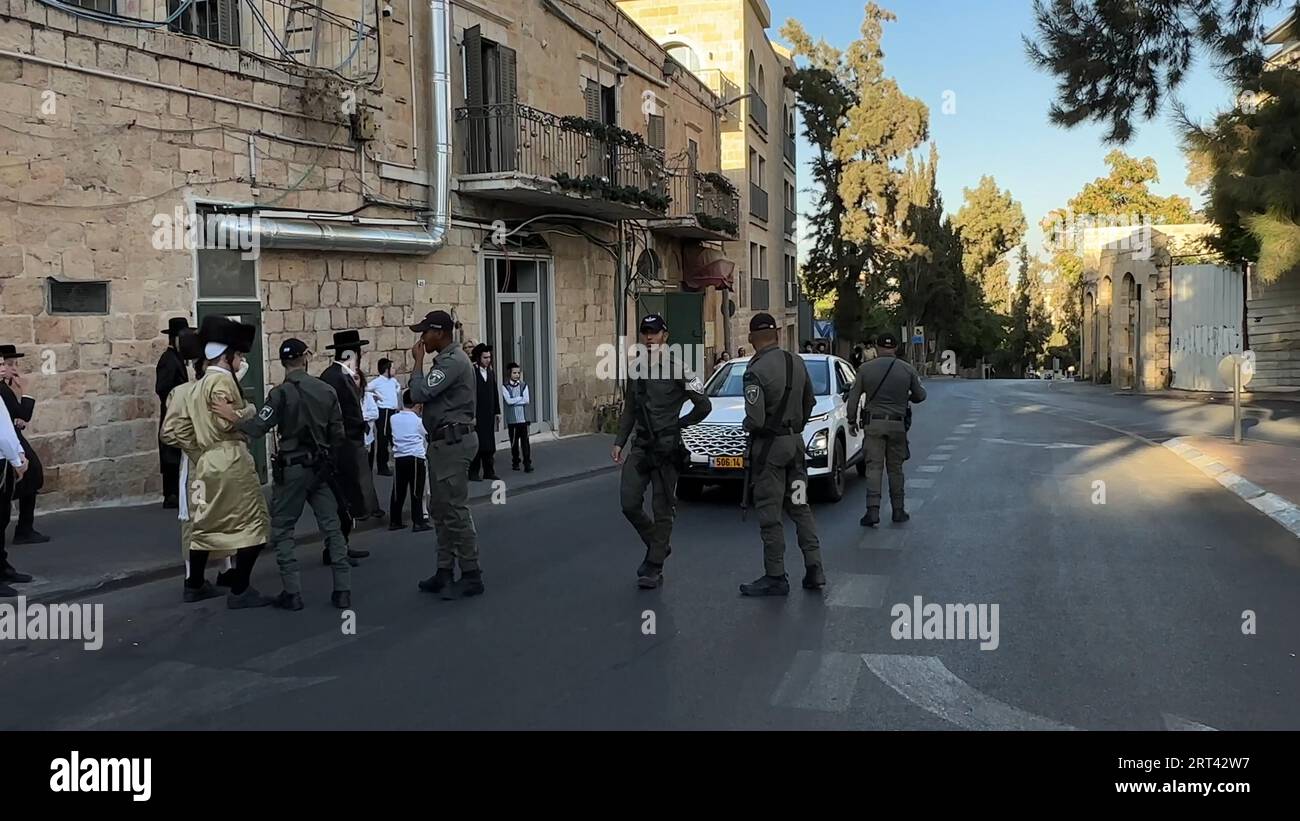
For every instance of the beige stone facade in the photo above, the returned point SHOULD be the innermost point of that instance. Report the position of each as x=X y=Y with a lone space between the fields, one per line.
x=727 y=43
x=109 y=130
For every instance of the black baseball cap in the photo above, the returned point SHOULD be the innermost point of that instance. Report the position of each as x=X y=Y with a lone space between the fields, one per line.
x=887 y=341
x=292 y=349
x=654 y=323
x=762 y=322
x=433 y=321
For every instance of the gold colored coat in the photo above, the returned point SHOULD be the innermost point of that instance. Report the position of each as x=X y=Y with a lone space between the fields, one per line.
x=226 y=505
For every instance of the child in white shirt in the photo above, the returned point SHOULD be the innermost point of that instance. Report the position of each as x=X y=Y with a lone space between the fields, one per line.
x=409 y=448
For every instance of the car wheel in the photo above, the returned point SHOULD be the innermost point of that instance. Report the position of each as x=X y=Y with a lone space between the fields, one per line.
x=833 y=485
x=690 y=490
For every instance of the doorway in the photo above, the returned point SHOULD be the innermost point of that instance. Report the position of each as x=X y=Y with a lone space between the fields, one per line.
x=518 y=322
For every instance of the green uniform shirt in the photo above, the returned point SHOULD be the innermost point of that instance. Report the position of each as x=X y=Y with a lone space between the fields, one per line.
x=764 y=383
x=447 y=390
x=302 y=407
x=902 y=386
x=662 y=400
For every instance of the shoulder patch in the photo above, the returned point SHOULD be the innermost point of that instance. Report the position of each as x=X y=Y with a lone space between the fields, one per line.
x=265 y=413
x=751 y=394
x=436 y=376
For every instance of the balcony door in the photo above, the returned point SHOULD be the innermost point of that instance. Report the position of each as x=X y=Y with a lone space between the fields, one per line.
x=491 y=94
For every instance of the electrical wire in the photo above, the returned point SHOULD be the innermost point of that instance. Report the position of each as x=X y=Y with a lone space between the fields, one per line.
x=119 y=19
x=315 y=163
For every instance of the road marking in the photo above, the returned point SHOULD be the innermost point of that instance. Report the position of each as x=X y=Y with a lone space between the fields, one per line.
x=955 y=437
x=939 y=457
x=946 y=447
x=857 y=590
x=819 y=681
x=1048 y=445
x=918 y=483
x=172 y=690
x=927 y=683
x=931 y=468
x=967 y=425
x=291 y=654
x=1180 y=724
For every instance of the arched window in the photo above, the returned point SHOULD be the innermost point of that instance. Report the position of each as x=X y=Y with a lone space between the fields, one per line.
x=751 y=76
x=762 y=84
x=683 y=54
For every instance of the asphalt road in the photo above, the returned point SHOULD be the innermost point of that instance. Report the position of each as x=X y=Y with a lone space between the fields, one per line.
x=1126 y=614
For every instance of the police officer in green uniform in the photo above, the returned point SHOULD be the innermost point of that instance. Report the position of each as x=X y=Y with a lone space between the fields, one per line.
x=778 y=400
x=889 y=384
x=306 y=412
x=447 y=392
x=658 y=386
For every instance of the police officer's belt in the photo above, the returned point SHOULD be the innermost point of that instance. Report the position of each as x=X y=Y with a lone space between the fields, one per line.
x=299 y=459
x=463 y=428
x=892 y=417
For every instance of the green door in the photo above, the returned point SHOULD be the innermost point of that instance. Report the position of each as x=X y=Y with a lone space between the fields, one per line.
x=253 y=385
x=683 y=312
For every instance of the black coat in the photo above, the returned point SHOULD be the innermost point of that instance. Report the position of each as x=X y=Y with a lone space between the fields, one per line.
x=22 y=408
x=487 y=408
x=354 y=426
x=170 y=374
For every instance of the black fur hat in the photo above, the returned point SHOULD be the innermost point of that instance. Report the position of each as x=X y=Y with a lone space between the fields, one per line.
x=221 y=330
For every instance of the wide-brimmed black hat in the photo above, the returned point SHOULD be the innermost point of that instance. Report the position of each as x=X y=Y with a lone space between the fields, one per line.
x=189 y=346
x=347 y=341
x=228 y=332
x=175 y=325
x=10 y=352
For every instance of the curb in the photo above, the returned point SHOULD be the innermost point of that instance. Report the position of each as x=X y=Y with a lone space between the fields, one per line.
x=170 y=569
x=1278 y=508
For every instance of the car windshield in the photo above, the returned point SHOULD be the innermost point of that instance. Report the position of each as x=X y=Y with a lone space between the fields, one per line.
x=729 y=379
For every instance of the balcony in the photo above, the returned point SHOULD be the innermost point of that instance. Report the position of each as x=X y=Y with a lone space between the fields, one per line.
x=757 y=202
x=726 y=89
x=760 y=294
x=517 y=154
x=704 y=206
x=758 y=110
x=293 y=33
x=791 y=219
x=789 y=150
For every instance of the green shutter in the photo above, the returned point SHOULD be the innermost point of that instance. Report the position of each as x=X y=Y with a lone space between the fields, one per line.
x=657 y=136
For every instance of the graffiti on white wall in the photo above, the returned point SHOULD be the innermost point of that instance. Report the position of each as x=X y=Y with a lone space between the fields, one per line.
x=1216 y=341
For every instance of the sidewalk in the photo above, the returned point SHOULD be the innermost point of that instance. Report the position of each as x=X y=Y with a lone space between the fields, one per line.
x=1218 y=397
x=1265 y=475
x=108 y=548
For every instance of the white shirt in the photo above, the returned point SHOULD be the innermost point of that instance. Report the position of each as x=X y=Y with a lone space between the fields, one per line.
x=369 y=412
x=408 y=434
x=388 y=391
x=10 y=448
x=483 y=372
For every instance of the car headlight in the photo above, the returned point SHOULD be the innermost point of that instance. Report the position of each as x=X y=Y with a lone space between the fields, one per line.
x=817 y=447
x=821 y=417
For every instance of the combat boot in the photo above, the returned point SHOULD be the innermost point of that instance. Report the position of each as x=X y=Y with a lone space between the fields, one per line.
x=287 y=601
x=649 y=575
x=900 y=515
x=872 y=518
x=767 y=586
x=814 y=578
x=342 y=599
x=469 y=584
x=249 y=598
x=438 y=581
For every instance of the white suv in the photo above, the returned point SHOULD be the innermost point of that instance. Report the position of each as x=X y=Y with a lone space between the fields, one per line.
x=717 y=445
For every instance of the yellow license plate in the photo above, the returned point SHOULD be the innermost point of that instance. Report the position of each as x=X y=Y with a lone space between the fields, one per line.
x=727 y=462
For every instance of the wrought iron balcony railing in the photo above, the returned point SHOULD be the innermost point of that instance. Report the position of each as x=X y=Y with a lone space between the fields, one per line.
x=719 y=83
x=716 y=206
x=576 y=153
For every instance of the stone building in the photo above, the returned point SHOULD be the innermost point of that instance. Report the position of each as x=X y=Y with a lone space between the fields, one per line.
x=726 y=43
x=509 y=162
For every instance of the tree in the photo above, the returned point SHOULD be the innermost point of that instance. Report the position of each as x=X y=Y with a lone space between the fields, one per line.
x=1029 y=327
x=925 y=274
x=1253 y=194
x=991 y=223
x=1117 y=60
x=860 y=125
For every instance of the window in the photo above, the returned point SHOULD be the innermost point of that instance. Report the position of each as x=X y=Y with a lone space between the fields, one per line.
x=751 y=76
x=684 y=54
x=225 y=274
x=490 y=80
x=762 y=263
x=216 y=20
x=762 y=84
x=106 y=6
x=78 y=297
x=656 y=133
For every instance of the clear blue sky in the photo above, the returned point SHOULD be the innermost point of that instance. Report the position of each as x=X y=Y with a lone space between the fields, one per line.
x=973 y=48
